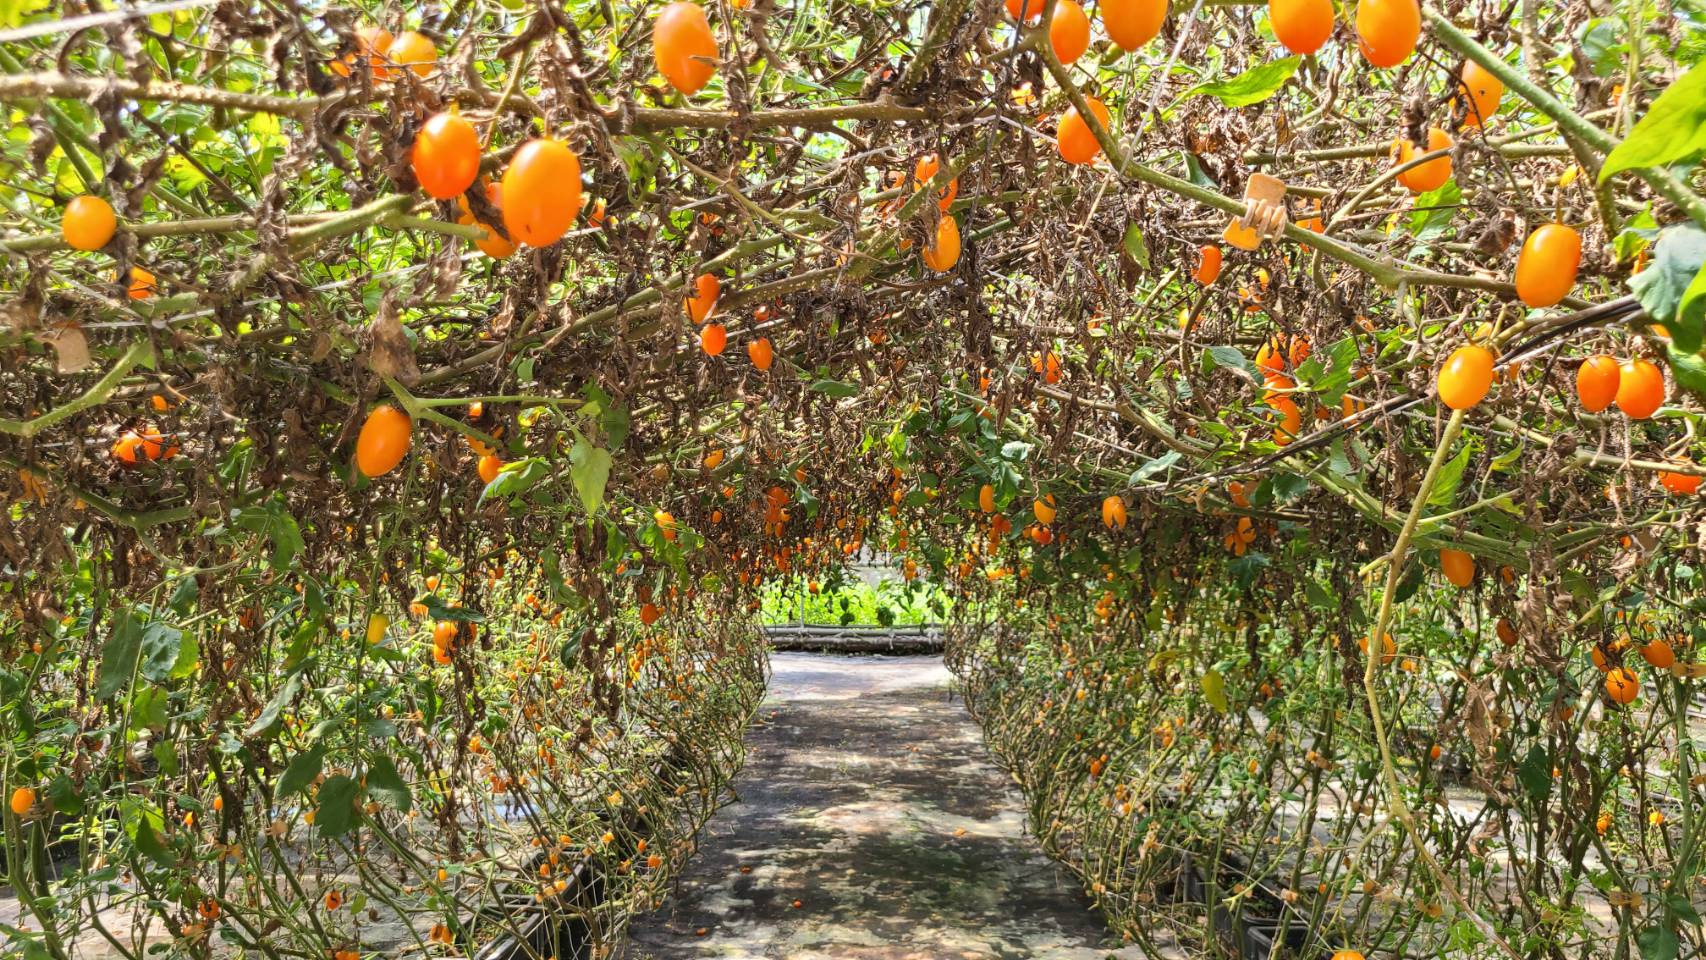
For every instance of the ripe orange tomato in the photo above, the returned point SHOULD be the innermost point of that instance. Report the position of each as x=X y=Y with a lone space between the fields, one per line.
x=89 y=223
x=1680 y=484
x=1484 y=92
x=1430 y=175
x=944 y=251
x=1132 y=23
x=1506 y=632
x=1458 y=567
x=1546 y=268
x=1466 y=377
x=713 y=338
x=1046 y=366
x=1388 y=647
x=1302 y=25
x=145 y=442
x=142 y=284
x=446 y=155
x=1622 y=685
x=1073 y=137
x=1597 y=380
x=373 y=43
x=683 y=47
x=1113 y=512
x=383 y=441
x=22 y=800
x=1068 y=31
x=444 y=635
x=760 y=353
x=488 y=467
x=1387 y=30
x=1209 y=261
x=1024 y=10
x=1044 y=509
x=1658 y=654
x=1640 y=389
x=1291 y=418
x=541 y=192
x=491 y=244
x=414 y=51
x=925 y=170
x=706 y=289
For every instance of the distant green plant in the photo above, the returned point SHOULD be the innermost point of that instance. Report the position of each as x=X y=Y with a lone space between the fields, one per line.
x=889 y=603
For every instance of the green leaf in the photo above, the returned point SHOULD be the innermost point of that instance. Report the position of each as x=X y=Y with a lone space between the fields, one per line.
x=148 y=708
x=275 y=523
x=589 y=468
x=119 y=656
x=1673 y=130
x=835 y=388
x=301 y=771
x=1535 y=773
x=439 y=610
x=1434 y=210
x=1450 y=476
x=143 y=823
x=1251 y=86
x=1673 y=289
x=615 y=423
x=1601 y=41
x=515 y=478
x=1289 y=486
x=269 y=713
x=386 y=785
x=1689 y=369
x=1153 y=467
x=1227 y=356
x=1658 y=943
x=162 y=646
x=335 y=809
x=1684 y=910
x=1135 y=247
x=1638 y=234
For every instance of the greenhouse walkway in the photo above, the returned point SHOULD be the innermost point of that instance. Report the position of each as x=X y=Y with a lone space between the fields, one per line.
x=871 y=825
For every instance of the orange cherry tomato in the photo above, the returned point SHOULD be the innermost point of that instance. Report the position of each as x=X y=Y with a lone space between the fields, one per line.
x=1077 y=145
x=1387 y=30
x=89 y=223
x=944 y=251
x=683 y=46
x=384 y=440
x=1466 y=377
x=1597 y=380
x=1640 y=389
x=1068 y=31
x=446 y=155
x=1131 y=23
x=1301 y=25
x=1546 y=268
x=541 y=192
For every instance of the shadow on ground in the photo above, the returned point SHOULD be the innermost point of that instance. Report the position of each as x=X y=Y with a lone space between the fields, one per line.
x=871 y=825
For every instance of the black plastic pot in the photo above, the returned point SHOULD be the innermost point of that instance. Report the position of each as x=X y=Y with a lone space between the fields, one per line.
x=1260 y=935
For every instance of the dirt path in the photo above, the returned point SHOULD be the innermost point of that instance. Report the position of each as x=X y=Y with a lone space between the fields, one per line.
x=868 y=799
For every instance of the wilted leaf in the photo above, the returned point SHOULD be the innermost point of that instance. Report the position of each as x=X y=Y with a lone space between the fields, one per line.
x=390 y=353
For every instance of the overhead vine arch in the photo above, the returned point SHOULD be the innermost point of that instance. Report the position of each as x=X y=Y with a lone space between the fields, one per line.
x=377 y=580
